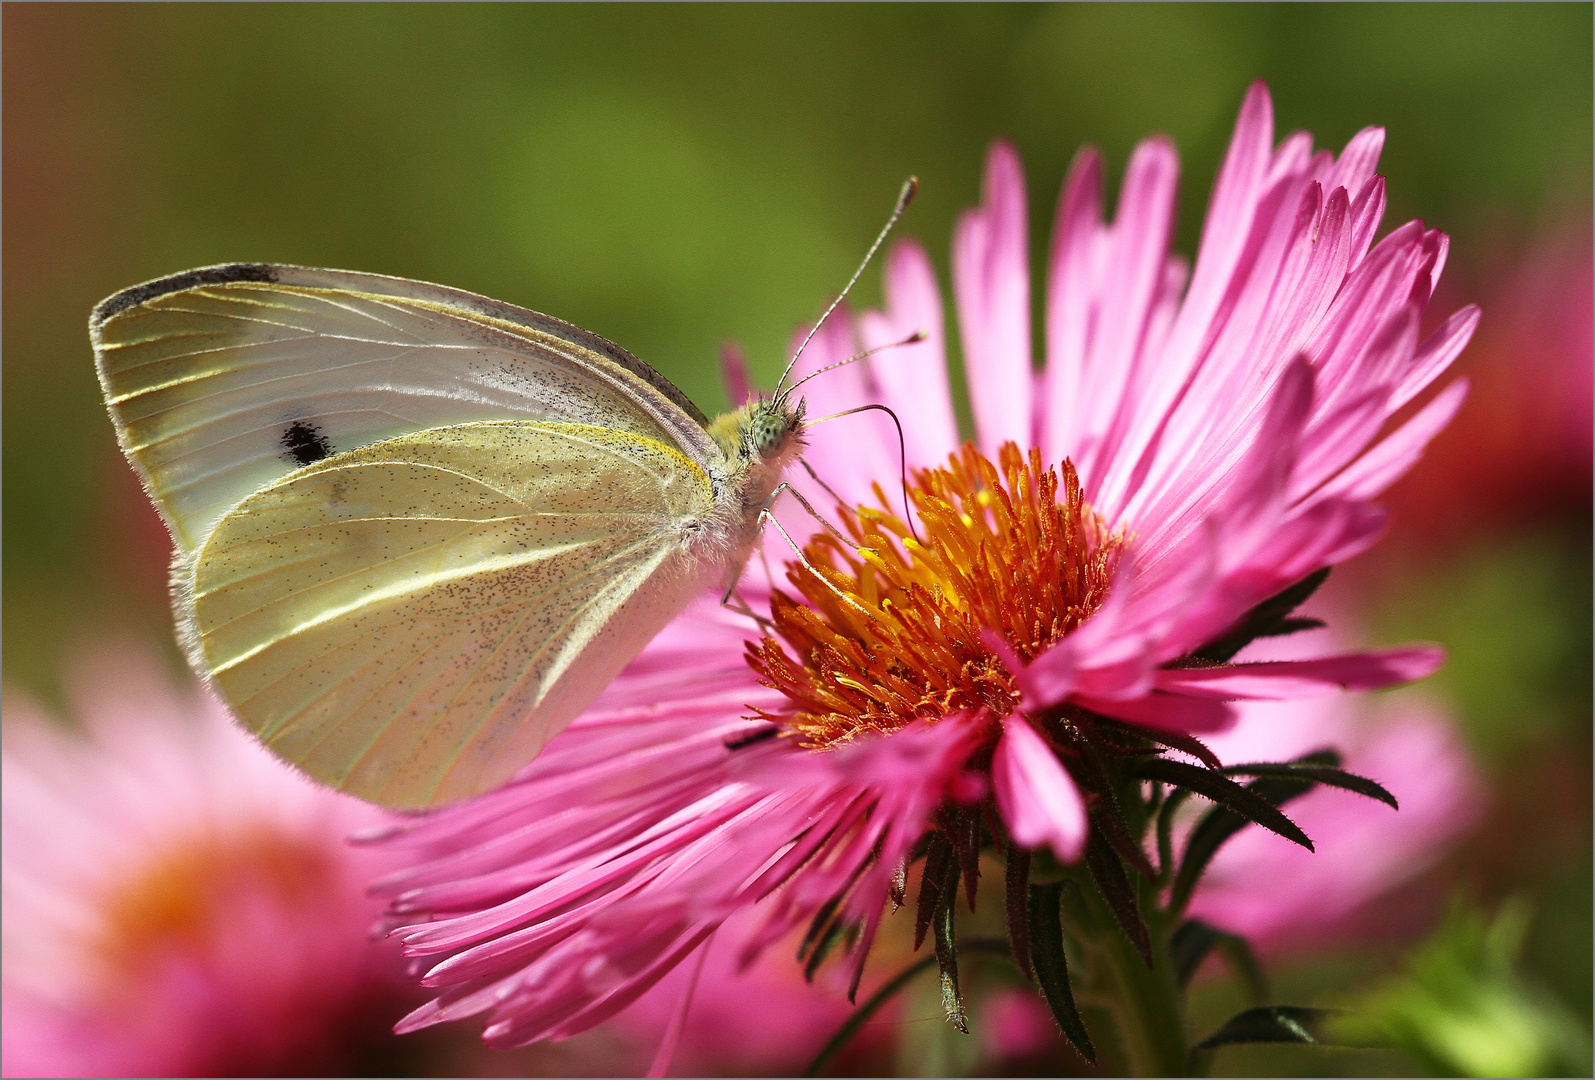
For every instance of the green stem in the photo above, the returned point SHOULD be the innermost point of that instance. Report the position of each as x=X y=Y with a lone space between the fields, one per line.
x=1145 y=1002
x=991 y=946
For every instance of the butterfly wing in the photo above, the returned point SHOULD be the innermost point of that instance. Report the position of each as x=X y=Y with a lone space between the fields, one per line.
x=225 y=379
x=412 y=620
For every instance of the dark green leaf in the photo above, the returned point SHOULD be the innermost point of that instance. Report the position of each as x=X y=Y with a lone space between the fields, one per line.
x=1118 y=892
x=837 y=931
x=1294 y=626
x=1271 y=1024
x=1194 y=939
x=1174 y=740
x=1189 y=946
x=1016 y=879
x=1321 y=774
x=1224 y=791
x=1268 y=619
x=1173 y=799
x=966 y=836
x=894 y=986
x=1107 y=818
x=1220 y=823
x=1237 y=953
x=1190 y=745
x=1052 y=967
x=947 y=951
x=816 y=930
x=931 y=876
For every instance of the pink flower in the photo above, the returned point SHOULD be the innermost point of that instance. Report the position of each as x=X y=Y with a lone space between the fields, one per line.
x=177 y=901
x=1196 y=443
x=760 y=1020
x=1037 y=799
x=1280 y=896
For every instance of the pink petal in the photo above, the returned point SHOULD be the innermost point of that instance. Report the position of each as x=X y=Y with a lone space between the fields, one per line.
x=1382 y=466
x=1071 y=314
x=1337 y=439
x=1170 y=712
x=735 y=370
x=1436 y=354
x=1358 y=160
x=1231 y=234
x=1230 y=211
x=991 y=275
x=1035 y=795
x=678 y=1020
x=1215 y=415
x=849 y=453
x=1130 y=285
x=912 y=380
x=1252 y=488
x=1367 y=210
x=1286 y=679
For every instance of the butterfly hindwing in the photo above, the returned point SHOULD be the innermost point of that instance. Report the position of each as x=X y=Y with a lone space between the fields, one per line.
x=410 y=621
x=226 y=379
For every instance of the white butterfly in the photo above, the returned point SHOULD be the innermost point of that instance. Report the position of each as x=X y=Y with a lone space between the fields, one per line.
x=418 y=530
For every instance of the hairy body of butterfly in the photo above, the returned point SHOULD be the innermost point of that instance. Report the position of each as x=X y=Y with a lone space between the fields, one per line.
x=417 y=530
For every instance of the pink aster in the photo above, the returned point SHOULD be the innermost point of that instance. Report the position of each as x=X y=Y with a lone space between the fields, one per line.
x=1280 y=896
x=177 y=901
x=1073 y=584
x=762 y=1019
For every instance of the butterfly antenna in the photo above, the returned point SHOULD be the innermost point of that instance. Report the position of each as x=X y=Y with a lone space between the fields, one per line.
x=911 y=339
x=910 y=186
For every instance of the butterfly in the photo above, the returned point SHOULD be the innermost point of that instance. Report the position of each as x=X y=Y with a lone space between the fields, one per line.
x=417 y=530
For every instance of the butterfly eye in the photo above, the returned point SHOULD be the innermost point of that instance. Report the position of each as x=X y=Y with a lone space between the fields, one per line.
x=768 y=432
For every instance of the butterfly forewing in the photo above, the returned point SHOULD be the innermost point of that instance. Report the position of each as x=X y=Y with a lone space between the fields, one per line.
x=225 y=379
x=410 y=621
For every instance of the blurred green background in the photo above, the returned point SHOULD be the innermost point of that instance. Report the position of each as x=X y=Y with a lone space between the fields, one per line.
x=674 y=176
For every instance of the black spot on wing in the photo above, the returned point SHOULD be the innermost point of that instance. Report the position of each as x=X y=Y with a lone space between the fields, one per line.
x=188 y=279
x=305 y=442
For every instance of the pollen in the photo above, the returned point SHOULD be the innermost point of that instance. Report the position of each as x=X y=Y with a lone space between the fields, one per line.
x=885 y=629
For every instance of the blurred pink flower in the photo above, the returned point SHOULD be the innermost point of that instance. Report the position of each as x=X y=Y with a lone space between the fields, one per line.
x=1279 y=896
x=177 y=902
x=1015 y=1023
x=1218 y=433
x=762 y=1020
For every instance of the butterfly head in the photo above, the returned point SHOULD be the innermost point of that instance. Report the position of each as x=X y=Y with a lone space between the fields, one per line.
x=766 y=432
x=773 y=427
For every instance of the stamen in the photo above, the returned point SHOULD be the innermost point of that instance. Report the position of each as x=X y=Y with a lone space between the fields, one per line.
x=890 y=630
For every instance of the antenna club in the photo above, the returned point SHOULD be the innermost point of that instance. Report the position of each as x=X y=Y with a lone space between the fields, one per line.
x=906 y=196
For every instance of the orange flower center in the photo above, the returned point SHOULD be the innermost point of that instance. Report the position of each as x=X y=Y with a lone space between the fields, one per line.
x=889 y=628
x=184 y=899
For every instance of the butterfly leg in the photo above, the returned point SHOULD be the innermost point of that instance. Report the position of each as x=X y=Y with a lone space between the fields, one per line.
x=816 y=476
x=742 y=607
x=766 y=516
x=813 y=513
